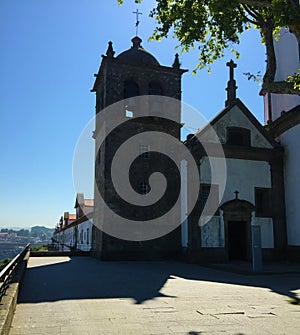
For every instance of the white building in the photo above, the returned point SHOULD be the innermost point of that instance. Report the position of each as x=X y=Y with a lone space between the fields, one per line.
x=74 y=232
x=282 y=115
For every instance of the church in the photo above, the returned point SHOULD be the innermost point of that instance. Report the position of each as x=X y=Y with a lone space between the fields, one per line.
x=258 y=171
x=250 y=210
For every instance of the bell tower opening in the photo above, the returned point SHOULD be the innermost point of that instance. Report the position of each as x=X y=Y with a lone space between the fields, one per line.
x=155 y=88
x=131 y=89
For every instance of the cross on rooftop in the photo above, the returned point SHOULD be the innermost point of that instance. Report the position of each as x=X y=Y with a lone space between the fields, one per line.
x=231 y=66
x=236 y=194
x=231 y=84
x=137 y=20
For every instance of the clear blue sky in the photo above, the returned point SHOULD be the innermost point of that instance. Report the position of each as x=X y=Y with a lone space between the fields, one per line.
x=49 y=53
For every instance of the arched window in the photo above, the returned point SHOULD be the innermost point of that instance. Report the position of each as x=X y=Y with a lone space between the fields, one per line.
x=131 y=89
x=155 y=88
x=238 y=136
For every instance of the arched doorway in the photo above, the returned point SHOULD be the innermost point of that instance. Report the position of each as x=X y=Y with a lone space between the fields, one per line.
x=237 y=215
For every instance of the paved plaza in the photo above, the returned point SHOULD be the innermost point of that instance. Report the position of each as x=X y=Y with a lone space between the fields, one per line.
x=81 y=295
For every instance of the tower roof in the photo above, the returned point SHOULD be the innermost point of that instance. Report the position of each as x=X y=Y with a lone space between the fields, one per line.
x=137 y=54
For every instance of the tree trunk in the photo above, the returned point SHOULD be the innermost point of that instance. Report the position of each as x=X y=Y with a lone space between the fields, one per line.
x=295 y=29
x=279 y=87
x=267 y=32
x=269 y=85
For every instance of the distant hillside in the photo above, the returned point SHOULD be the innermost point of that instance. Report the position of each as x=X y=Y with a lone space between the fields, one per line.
x=15 y=228
x=13 y=241
x=36 y=231
x=42 y=232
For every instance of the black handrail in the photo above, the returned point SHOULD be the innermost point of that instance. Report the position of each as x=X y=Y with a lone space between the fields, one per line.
x=7 y=274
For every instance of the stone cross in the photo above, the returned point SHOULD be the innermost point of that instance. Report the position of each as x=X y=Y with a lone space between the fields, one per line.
x=231 y=85
x=236 y=195
x=231 y=66
x=137 y=20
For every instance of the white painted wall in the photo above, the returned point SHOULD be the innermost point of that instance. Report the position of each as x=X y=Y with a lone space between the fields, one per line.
x=287 y=56
x=213 y=235
x=291 y=144
x=85 y=230
x=243 y=176
x=69 y=236
x=288 y=62
x=266 y=230
x=66 y=237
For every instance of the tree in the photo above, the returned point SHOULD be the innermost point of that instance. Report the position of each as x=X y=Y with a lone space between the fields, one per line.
x=216 y=25
x=23 y=232
x=4 y=262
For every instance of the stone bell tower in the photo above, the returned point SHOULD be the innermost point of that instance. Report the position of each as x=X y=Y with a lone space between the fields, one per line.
x=134 y=72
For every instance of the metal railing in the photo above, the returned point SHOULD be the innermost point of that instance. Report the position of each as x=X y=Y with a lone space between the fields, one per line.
x=8 y=273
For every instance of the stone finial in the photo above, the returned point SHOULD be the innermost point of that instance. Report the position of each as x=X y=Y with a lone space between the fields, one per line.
x=231 y=84
x=176 y=64
x=110 y=51
x=136 y=42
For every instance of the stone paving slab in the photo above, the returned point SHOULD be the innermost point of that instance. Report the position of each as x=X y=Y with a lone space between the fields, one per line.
x=62 y=295
x=271 y=268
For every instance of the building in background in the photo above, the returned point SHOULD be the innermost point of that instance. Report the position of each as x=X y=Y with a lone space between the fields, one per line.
x=282 y=117
x=74 y=231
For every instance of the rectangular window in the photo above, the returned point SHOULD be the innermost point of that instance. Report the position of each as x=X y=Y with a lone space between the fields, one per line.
x=238 y=136
x=263 y=206
x=128 y=113
x=81 y=237
x=210 y=192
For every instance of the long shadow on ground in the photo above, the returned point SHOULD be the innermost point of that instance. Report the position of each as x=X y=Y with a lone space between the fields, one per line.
x=88 y=278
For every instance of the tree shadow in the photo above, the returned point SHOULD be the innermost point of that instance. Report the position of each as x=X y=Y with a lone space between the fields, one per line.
x=88 y=278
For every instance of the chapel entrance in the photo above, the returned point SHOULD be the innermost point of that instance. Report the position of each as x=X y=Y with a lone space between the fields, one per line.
x=237 y=216
x=237 y=240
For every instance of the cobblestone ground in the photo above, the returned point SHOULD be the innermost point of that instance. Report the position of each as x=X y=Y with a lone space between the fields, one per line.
x=81 y=295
